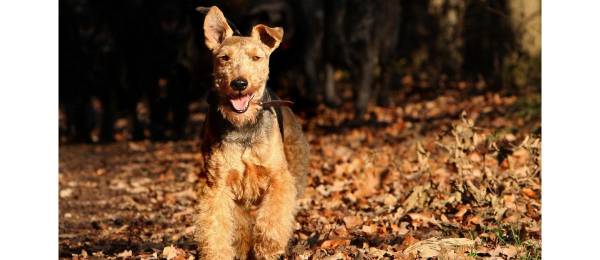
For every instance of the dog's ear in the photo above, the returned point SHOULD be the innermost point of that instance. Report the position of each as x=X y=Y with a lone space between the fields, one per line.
x=270 y=37
x=216 y=29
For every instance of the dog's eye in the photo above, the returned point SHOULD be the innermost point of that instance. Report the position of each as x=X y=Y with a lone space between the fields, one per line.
x=224 y=58
x=255 y=58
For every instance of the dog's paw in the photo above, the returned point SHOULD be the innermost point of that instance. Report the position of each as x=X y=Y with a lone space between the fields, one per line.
x=267 y=248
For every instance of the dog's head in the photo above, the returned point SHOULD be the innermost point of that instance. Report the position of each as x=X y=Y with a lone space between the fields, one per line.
x=241 y=66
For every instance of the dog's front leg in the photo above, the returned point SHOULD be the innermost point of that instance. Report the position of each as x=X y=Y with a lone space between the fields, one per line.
x=215 y=224
x=275 y=217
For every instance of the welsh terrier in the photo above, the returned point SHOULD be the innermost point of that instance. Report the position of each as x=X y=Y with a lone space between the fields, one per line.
x=256 y=157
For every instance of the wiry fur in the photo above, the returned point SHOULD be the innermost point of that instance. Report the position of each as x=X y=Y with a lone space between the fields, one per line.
x=252 y=174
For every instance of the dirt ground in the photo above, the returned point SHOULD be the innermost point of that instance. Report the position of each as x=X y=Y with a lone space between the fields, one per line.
x=446 y=175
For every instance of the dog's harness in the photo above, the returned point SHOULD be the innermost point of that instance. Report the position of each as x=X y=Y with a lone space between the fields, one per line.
x=270 y=99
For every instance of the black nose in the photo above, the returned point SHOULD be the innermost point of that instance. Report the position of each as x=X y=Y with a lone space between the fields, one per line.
x=239 y=84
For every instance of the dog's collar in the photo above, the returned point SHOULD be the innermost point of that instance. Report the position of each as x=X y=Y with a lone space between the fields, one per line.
x=270 y=99
x=276 y=103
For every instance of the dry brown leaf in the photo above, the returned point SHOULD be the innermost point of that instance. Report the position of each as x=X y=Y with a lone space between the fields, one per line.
x=419 y=219
x=529 y=193
x=170 y=252
x=343 y=152
x=125 y=254
x=478 y=193
x=352 y=221
x=462 y=209
x=337 y=256
x=370 y=229
x=409 y=240
x=366 y=183
x=425 y=248
x=475 y=220
x=444 y=219
x=341 y=231
x=417 y=198
x=402 y=230
x=65 y=193
x=509 y=251
x=380 y=254
x=333 y=243
x=433 y=246
x=406 y=167
x=390 y=200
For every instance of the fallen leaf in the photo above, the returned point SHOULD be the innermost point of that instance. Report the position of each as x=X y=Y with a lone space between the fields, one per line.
x=367 y=183
x=419 y=219
x=462 y=209
x=65 y=193
x=403 y=230
x=509 y=251
x=126 y=253
x=409 y=240
x=170 y=252
x=417 y=198
x=341 y=231
x=336 y=256
x=369 y=229
x=475 y=220
x=433 y=246
x=529 y=193
x=352 y=221
x=390 y=200
x=333 y=243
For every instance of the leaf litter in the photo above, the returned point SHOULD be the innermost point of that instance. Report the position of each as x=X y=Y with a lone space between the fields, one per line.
x=450 y=178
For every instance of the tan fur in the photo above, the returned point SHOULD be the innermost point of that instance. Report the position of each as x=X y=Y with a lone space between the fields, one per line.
x=252 y=175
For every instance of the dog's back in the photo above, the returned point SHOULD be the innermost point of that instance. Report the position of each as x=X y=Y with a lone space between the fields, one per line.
x=296 y=149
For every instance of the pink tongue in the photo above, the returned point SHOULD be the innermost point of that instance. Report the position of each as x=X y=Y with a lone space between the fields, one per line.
x=240 y=103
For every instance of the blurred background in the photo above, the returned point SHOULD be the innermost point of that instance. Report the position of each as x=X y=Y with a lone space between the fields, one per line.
x=133 y=69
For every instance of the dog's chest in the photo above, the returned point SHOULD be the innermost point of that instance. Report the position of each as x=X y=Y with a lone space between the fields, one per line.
x=245 y=161
x=249 y=177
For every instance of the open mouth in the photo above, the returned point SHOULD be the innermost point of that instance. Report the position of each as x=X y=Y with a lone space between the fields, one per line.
x=241 y=103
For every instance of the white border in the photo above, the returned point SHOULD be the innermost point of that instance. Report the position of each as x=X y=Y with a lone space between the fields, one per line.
x=29 y=134
x=28 y=129
x=570 y=116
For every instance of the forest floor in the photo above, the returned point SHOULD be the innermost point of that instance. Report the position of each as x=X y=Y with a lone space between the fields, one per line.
x=446 y=175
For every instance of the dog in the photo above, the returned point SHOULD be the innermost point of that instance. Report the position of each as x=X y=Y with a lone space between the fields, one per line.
x=255 y=154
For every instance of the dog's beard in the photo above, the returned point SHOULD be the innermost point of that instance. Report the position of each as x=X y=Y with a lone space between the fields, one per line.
x=240 y=110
